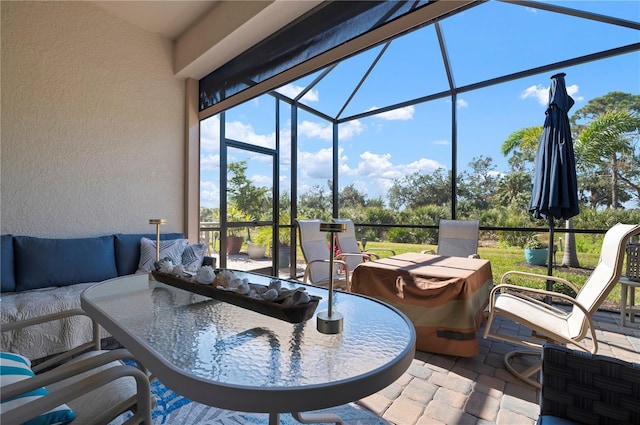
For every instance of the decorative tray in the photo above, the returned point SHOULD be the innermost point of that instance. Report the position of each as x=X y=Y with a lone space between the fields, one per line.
x=277 y=309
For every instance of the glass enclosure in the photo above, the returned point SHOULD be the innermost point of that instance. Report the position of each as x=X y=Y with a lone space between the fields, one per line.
x=438 y=122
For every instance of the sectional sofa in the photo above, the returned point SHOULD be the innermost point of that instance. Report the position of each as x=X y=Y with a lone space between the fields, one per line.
x=41 y=276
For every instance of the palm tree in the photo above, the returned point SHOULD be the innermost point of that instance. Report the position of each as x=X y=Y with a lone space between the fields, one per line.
x=607 y=141
x=522 y=144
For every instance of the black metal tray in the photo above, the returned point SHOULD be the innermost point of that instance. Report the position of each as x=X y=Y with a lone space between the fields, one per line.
x=289 y=313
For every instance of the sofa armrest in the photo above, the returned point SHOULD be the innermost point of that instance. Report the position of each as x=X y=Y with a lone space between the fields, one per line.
x=588 y=388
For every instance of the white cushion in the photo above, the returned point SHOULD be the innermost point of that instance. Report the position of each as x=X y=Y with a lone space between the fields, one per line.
x=101 y=399
x=14 y=368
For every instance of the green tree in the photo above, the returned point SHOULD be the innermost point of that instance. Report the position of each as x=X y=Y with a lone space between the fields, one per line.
x=420 y=189
x=478 y=186
x=514 y=189
x=350 y=197
x=209 y=215
x=520 y=148
x=609 y=142
x=316 y=203
x=612 y=101
x=522 y=145
x=251 y=201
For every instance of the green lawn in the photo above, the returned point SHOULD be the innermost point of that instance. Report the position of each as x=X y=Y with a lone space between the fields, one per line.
x=505 y=259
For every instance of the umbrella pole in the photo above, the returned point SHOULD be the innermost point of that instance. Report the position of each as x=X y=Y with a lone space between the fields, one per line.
x=549 y=286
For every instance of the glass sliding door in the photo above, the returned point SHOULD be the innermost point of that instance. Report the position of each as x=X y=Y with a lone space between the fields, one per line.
x=249 y=207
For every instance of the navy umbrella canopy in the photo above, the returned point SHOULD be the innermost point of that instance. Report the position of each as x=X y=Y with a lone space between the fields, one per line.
x=555 y=187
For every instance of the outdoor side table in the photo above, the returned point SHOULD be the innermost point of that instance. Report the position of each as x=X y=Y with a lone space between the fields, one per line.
x=627 y=299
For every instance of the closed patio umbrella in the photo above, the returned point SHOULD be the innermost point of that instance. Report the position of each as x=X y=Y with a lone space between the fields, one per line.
x=555 y=187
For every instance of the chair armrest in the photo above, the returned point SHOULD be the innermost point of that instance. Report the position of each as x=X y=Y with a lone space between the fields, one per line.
x=362 y=255
x=94 y=343
x=64 y=371
x=380 y=249
x=522 y=291
x=428 y=251
x=539 y=276
x=307 y=270
x=77 y=388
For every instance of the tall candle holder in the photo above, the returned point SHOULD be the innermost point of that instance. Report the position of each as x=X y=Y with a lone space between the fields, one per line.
x=158 y=222
x=330 y=322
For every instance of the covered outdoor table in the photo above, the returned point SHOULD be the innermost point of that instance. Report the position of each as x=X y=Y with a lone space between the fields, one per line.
x=444 y=297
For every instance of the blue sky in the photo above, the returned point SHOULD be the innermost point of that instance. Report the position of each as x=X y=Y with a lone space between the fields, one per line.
x=484 y=42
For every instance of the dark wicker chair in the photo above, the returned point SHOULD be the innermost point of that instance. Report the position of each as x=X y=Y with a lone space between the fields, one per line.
x=587 y=388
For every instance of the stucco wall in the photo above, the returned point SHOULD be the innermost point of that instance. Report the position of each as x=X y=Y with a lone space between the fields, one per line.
x=92 y=123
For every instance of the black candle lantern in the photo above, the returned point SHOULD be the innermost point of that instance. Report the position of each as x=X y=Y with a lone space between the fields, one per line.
x=330 y=322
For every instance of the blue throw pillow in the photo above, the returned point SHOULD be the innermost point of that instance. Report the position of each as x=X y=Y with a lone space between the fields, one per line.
x=14 y=368
x=128 y=249
x=41 y=263
x=7 y=269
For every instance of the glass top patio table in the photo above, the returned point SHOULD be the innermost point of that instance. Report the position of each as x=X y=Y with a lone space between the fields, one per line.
x=222 y=355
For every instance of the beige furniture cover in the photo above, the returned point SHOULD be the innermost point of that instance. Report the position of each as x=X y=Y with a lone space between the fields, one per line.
x=444 y=297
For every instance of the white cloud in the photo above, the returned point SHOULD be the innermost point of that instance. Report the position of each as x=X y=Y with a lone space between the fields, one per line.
x=210 y=134
x=316 y=165
x=209 y=162
x=237 y=130
x=423 y=165
x=242 y=132
x=442 y=142
x=572 y=90
x=537 y=92
x=260 y=180
x=542 y=93
x=462 y=103
x=209 y=194
x=376 y=172
x=324 y=131
x=350 y=129
x=291 y=91
x=315 y=130
x=400 y=114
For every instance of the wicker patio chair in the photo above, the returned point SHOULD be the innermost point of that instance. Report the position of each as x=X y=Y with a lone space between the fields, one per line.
x=588 y=388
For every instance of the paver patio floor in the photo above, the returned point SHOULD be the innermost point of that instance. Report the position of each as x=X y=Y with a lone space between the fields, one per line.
x=440 y=389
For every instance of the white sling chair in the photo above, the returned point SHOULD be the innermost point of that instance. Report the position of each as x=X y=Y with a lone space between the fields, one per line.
x=551 y=324
x=317 y=255
x=350 y=252
x=457 y=238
